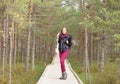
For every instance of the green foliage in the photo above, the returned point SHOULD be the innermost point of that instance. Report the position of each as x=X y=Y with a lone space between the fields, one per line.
x=117 y=38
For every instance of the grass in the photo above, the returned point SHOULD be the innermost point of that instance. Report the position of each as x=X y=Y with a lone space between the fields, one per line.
x=111 y=74
x=19 y=76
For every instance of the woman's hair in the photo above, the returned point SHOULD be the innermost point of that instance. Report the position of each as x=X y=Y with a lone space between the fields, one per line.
x=62 y=30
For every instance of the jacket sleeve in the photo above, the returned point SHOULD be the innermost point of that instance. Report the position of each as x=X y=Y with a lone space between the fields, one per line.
x=70 y=40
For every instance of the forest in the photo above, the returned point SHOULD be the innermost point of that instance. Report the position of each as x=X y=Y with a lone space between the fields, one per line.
x=28 y=30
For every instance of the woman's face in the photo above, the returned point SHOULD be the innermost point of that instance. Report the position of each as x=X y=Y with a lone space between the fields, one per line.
x=64 y=31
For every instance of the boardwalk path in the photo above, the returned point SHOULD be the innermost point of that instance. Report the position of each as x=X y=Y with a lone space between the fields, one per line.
x=53 y=72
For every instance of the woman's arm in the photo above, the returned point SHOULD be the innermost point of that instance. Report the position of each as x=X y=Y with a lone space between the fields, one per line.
x=69 y=41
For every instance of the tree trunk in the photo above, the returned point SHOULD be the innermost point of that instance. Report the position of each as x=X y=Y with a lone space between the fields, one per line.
x=91 y=35
x=103 y=44
x=29 y=35
x=46 y=51
x=83 y=48
x=47 y=47
x=23 y=50
x=102 y=52
x=82 y=36
x=4 y=49
x=86 y=52
x=33 y=48
x=87 y=70
x=15 y=49
x=98 y=49
x=91 y=47
x=0 y=49
x=7 y=37
x=40 y=49
x=102 y=60
x=5 y=40
x=11 y=50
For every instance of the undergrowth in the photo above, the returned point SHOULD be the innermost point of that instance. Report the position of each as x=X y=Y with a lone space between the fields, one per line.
x=111 y=74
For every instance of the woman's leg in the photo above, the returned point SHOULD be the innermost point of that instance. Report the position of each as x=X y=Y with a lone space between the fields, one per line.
x=60 y=54
x=63 y=56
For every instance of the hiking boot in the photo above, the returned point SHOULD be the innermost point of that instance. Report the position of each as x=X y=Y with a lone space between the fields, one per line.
x=64 y=76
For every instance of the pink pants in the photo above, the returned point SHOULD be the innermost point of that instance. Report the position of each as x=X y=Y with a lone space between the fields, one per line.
x=63 y=56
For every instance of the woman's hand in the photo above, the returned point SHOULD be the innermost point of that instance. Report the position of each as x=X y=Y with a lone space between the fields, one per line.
x=67 y=42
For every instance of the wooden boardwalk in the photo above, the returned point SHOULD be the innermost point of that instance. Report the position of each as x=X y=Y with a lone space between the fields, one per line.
x=53 y=72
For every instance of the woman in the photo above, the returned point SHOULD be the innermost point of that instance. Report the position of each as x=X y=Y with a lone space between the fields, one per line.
x=65 y=42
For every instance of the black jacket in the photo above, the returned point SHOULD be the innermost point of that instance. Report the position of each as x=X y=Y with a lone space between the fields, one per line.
x=63 y=46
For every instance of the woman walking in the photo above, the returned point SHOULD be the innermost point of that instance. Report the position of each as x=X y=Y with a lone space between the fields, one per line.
x=65 y=42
